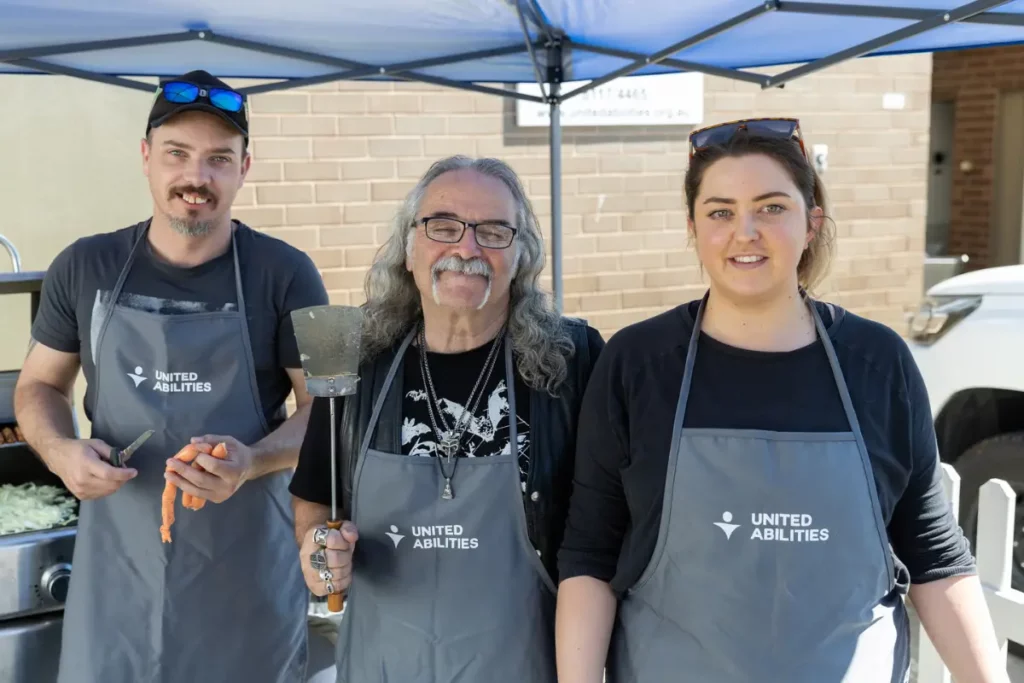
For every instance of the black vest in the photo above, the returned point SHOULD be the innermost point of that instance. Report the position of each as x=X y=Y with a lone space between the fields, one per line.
x=552 y=439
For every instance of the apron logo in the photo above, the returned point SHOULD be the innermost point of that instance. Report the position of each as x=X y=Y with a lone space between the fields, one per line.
x=137 y=376
x=725 y=524
x=395 y=537
x=437 y=537
x=786 y=528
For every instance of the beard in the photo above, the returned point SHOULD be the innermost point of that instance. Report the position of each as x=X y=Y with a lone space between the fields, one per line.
x=455 y=264
x=190 y=227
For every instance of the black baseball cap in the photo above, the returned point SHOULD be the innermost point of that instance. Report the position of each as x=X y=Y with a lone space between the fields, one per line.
x=208 y=92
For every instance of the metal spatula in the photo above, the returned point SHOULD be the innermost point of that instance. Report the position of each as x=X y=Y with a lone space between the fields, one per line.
x=329 y=339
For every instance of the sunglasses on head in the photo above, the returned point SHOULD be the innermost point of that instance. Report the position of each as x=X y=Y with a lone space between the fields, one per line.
x=183 y=92
x=722 y=133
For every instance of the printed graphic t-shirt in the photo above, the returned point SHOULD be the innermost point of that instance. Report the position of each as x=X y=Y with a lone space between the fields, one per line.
x=276 y=279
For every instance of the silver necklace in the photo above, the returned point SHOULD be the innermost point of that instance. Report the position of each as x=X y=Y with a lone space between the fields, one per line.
x=449 y=439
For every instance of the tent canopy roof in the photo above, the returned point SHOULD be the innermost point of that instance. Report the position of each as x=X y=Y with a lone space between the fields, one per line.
x=461 y=42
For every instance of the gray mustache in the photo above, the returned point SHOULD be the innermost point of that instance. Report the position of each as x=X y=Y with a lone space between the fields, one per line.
x=456 y=264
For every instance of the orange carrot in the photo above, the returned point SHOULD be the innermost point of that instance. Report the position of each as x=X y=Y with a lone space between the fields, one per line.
x=193 y=502
x=186 y=454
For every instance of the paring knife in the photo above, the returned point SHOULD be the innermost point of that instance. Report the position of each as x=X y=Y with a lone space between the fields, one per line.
x=118 y=457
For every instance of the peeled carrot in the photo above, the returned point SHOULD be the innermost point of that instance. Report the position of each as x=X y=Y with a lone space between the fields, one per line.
x=194 y=502
x=187 y=454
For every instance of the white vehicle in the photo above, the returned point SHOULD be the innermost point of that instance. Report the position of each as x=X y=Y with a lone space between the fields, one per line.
x=968 y=341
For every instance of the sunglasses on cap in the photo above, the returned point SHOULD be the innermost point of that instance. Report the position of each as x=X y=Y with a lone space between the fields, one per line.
x=722 y=133
x=183 y=92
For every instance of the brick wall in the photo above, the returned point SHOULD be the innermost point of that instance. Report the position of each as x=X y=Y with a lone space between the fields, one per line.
x=332 y=162
x=973 y=79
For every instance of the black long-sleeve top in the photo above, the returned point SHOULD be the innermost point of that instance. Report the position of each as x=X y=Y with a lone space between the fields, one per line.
x=625 y=433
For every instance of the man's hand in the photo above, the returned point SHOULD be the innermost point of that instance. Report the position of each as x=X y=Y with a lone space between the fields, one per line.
x=82 y=465
x=335 y=550
x=218 y=479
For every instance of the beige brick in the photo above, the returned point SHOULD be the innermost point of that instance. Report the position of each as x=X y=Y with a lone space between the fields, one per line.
x=681 y=258
x=448 y=103
x=339 y=103
x=396 y=147
x=602 y=184
x=600 y=302
x=576 y=284
x=643 y=222
x=413 y=168
x=246 y=196
x=624 y=203
x=259 y=217
x=605 y=223
x=439 y=147
x=599 y=263
x=345 y=235
x=663 y=202
x=373 y=124
x=264 y=171
x=280 y=103
x=417 y=124
x=270 y=149
x=620 y=281
x=641 y=299
x=309 y=125
x=300 y=238
x=327 y=258
x=393 y=103
x=355 y=191
x=376 y=212
x=318 y=214
x=264 y=126
x=356 y=297
x=369 y=169
x=359 y=257
x=285 y=194
x=340 y=148
x=650 y=182
x=477 y=124
x=665 y=278
x=311 y=170
x=344 y=278
x=390 y=190
x=338 y=298
x=619 y=243
x=643 y=260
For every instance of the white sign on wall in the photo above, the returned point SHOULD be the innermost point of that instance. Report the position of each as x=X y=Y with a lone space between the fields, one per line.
x=660 y=100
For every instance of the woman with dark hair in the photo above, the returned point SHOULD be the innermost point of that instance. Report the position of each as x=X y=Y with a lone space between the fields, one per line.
x=756 y=483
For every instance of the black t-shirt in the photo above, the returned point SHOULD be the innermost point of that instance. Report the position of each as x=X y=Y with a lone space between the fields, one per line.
x=625 y=433
x=276 y=279
x=453 y=376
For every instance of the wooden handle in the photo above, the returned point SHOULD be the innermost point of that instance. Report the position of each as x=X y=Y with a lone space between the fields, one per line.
x=335 y=601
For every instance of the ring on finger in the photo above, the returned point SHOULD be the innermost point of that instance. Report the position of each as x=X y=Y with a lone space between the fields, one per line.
x=330 y=588
x=318 y=559
x=320 y=536
x=326 y=575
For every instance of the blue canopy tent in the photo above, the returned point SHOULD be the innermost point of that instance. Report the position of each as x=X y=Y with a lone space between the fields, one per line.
x=478 y=45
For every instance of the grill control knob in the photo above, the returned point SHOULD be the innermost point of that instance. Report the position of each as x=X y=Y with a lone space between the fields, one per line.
x=55 y=581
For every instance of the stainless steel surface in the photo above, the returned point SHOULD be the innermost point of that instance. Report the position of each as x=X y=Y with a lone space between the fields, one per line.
x=329 y=341
x=30 y=650
x=34 y=569
x=12 y=251
x=939 y=268
x=118 y=457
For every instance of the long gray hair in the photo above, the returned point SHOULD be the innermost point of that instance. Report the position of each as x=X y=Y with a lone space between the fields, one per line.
x=393 y=305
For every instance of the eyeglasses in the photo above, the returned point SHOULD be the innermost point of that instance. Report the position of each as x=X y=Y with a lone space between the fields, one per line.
x=722 y=133
x=183 y=92
x=490 y=235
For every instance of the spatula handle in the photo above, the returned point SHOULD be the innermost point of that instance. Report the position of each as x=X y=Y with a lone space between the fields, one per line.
x=335 y=601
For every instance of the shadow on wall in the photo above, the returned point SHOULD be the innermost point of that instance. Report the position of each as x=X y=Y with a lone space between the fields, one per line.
x=71 y=168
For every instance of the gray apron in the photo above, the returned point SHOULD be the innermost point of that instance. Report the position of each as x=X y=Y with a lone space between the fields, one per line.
x=444 y=591
x=225 y=601
x=772 y=562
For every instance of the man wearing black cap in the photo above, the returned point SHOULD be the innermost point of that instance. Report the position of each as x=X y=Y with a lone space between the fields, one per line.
x=181 y=324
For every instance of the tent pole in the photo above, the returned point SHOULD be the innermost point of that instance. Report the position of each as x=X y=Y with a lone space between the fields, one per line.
x=554 y=97
x=555 y=153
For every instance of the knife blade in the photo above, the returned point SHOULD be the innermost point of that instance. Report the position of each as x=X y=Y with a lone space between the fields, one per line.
x=119 y=457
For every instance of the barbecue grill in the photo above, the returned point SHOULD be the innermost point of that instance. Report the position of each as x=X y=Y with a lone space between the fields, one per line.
x=35 y=565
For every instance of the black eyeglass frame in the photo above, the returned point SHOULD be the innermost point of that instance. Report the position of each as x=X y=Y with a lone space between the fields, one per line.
x=466 y=224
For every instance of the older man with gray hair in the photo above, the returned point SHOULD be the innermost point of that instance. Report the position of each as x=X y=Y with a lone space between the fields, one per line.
x=456 y=455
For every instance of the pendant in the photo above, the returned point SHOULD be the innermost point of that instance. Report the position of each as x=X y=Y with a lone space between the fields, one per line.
x=448 y=446
x=447 y=493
